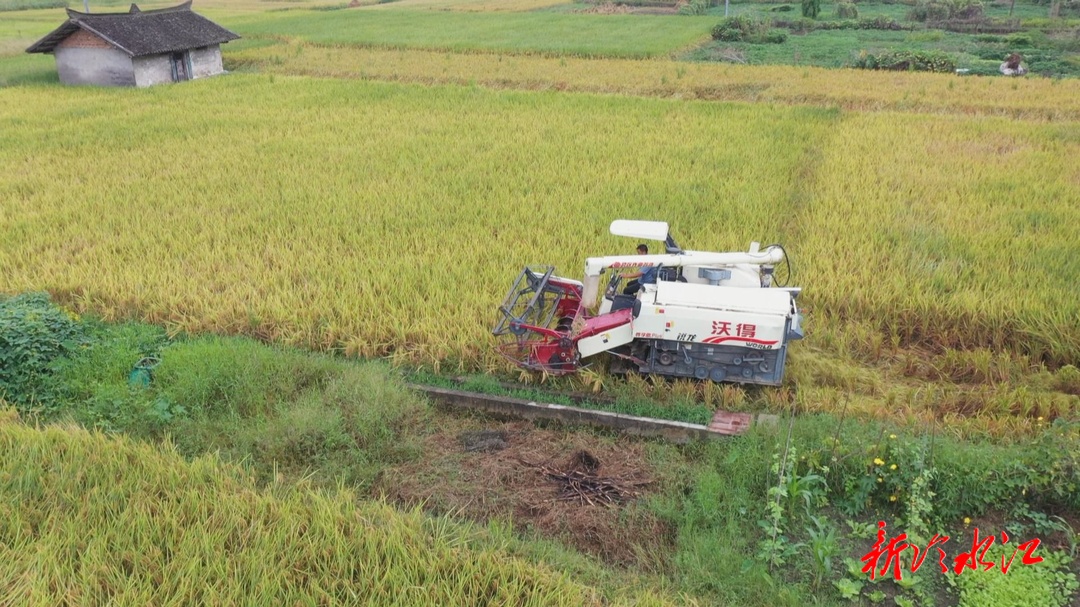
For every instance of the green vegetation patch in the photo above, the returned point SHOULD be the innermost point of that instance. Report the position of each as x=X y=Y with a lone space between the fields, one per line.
x=555 y=33
x=278 y=410
x=21 y=5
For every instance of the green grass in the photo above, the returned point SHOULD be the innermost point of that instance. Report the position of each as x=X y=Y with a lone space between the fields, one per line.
x=837 y=48
x=277 y=410
x=1049 y=55
x=894 y=10
x=28 y=69
x=21 y=5
x=981 y=54
x=587 y=35
x=628 y=404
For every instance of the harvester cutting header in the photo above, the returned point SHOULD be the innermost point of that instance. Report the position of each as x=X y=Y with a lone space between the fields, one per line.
x=712 y=316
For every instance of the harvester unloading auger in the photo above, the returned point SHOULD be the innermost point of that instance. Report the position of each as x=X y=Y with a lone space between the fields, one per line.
x=712 y=316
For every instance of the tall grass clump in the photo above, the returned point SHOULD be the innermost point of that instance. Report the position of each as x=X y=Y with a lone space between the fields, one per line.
x=239 y=377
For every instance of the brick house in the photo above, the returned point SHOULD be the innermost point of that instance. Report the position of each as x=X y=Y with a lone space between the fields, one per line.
x=136 y=48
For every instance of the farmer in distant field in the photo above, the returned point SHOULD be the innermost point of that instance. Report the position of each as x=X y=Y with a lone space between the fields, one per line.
x=1012 y=66
x=647 y=276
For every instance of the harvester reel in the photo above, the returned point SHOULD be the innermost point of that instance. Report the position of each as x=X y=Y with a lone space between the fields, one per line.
x=528 y=331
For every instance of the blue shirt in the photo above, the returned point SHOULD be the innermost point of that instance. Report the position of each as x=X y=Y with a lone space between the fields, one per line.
x=648 y=276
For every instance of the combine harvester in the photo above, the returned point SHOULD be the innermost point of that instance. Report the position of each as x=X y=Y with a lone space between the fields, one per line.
x=710 y=316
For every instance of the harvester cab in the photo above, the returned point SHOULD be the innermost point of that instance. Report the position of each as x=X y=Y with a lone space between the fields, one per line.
x=711 y=316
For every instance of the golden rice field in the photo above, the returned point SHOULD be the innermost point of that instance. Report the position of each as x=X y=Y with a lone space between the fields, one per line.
x=1039 y=98
x=389 y=219
x=368 y=217
x=930 y=217
x=86 y=519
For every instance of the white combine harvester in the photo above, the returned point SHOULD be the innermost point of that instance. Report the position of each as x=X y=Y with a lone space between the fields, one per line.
x=712 y=316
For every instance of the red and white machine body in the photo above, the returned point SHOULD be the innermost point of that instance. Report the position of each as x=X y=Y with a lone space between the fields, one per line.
x=712 y=316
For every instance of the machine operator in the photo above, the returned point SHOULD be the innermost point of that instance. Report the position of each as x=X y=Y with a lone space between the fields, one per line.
x=647 y=276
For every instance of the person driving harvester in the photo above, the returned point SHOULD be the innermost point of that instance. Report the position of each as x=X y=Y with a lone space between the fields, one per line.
x=647 y=276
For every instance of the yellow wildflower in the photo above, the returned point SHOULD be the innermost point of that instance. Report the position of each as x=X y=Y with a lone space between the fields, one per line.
x=967 y=521
x=878 y=461
x=879 y=479
x=892 y=498
x=892 y=467
x=892 y=436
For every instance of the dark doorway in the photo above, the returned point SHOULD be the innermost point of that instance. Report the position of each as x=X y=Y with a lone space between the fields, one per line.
x=180 y=71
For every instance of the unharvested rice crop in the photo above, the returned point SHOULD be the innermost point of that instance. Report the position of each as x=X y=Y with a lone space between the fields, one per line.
x=86 y=519
x=389 y=219
x=367 y=217
x=1039 y=98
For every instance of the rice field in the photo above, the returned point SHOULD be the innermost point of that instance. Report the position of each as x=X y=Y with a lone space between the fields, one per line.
x=416 y=206
x=514 y=32
x=340 y=201
x=388 y=219
x=1042 y=99
x=86 y=519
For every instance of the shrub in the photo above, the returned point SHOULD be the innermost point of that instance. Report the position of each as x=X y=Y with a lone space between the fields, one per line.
x=1067 y=379
x=734 y=29
x=928 y=11
x=1019 y=39
x=847 y=10
x=745 y=29
x=694 y=7
x=944 y=10
x=917 y=61
x=775 y=37
x=802 y=26
x=811 y=8
x=965 y=9
x=34 y=334
x=881 y=22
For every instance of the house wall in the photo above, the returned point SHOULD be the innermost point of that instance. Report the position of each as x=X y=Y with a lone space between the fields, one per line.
x=91 y=65
x=206 y=61
x=152 y=69
x=157 y=69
